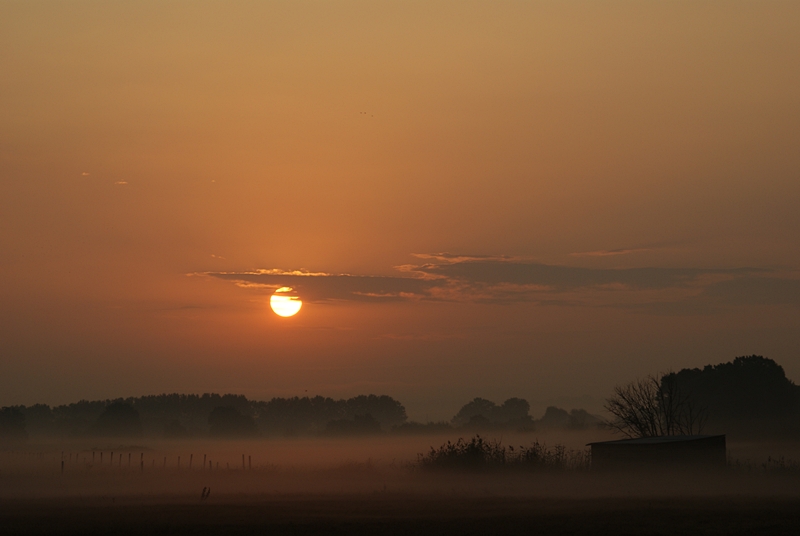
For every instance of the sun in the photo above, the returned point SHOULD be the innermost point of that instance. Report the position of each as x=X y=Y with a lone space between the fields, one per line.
x=285 y=302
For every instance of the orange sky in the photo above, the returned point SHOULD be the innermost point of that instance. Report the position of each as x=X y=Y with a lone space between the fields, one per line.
x=614 y=186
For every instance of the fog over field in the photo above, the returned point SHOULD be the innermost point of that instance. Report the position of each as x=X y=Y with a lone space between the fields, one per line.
x=389 y=267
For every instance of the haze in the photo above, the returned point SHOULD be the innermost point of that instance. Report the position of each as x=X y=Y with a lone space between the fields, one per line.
x=530 y=199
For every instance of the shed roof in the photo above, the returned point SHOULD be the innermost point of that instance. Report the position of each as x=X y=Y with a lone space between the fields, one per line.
x=655 y=440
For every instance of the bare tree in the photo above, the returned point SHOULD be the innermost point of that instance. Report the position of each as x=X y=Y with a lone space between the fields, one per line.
x=649 y=407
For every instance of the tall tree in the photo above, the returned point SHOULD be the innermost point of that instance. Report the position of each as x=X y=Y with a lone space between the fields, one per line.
x=649 y=407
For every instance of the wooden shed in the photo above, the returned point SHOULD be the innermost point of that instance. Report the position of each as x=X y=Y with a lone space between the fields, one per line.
x=666 y=452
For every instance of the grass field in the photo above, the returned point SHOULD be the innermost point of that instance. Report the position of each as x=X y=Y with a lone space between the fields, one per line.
x=402 y=514
x=374 y=486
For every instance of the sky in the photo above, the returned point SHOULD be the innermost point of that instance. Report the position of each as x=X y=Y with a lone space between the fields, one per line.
x=498 y=199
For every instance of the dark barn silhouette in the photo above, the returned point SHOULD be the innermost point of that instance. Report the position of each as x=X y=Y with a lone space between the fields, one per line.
x=660 y=453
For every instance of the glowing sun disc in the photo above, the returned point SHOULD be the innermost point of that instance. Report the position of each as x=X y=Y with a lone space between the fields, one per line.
x=284 y=305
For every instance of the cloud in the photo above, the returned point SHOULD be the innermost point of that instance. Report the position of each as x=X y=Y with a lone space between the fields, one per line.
x=624 y=251
x=453 y=257
x=320 y=286
x=506 y=279
x=609 y=252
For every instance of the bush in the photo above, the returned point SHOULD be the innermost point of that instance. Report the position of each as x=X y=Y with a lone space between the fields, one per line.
x=480 y=454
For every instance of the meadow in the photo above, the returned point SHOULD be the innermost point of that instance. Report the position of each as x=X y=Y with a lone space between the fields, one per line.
x=378 y=484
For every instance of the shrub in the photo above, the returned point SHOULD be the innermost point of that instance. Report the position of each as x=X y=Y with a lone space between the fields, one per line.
x=480 y=454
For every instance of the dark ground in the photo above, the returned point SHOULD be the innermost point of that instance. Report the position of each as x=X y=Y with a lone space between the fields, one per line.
x=399 y=514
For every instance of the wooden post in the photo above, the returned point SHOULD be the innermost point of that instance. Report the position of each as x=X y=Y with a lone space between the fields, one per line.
x=179 y=462
x=62 y=467
x=191 y=456
x=242 y=462
x=249 y=463
x=204 y=461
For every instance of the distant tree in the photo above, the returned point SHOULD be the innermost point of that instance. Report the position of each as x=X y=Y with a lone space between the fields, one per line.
x=575 y=419
x=39 y=419
x=229 y=422
x=118 y=420
x=412 y=427
x=12 y=424
x=513 y=410
x=293 y=416
x=477 y=407
x=650 y=407
x=580 y=419
x=78 y=418
x=175 y=429
x=481 y=413
x=384 y=409
x=554 y=418
x=358 y=425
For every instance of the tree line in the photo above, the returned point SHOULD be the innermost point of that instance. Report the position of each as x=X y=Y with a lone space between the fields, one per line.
x=214 y=415
x=749 y=396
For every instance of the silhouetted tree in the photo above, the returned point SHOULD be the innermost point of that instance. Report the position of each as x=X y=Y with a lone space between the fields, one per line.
x=512 y=410
x=79 y=417
x=12 y=424
x=39 y=419
x=118 y=420
x=749 y=395
x=650 y=407
x=385 y=410
x=175 y=429
x=412 y=427
x=291 y=416
x=554 y=418
x=229 y=422
x=358 y=425
x=482 y=413
x=478 y=407
x=159 y=413
x=580 y=419
x=576 y=419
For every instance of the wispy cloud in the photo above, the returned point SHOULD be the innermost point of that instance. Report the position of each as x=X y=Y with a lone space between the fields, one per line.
x=609 y=252
x=506 y=279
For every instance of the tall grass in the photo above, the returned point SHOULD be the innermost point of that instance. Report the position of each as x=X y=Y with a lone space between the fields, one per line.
x=773 y=465
x=481 y=454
